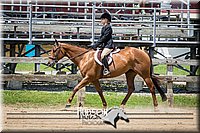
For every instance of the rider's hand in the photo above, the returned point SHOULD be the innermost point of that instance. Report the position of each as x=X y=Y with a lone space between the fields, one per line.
x=92 y=46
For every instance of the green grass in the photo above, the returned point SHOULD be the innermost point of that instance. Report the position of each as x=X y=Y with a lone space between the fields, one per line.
x=160 y=69
x=186 y=101
x=31 y=67
x=114 y=99
x=37 y=98
x=42 y=98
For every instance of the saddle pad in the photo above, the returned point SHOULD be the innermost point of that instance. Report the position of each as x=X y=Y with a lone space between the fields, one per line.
x=110 y=59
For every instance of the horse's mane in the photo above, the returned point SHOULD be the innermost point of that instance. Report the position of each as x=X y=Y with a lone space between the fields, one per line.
x=81 y=47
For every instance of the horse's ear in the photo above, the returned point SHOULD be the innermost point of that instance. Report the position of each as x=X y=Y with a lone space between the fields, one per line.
x=56 y=43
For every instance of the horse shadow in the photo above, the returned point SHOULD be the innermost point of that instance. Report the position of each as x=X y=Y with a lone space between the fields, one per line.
x=113 y=115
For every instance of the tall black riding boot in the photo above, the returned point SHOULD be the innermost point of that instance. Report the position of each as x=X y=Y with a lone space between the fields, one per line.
x=106 y=67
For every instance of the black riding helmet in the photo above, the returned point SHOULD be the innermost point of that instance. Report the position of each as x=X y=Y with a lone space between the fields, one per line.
x=106 y=15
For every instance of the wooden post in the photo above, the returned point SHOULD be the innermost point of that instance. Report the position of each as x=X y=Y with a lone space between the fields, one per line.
x=168 y=14
x=138 y=33
x=151 y=53
x=78 y=32
x=170 y=85
x=81 y=97
x=193 y=69
x=60 y=35
x=74 y=68
x=12 y=54
x=12 y=51
x=192 y=56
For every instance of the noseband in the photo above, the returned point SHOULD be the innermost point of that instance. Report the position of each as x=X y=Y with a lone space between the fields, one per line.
x=55 y=58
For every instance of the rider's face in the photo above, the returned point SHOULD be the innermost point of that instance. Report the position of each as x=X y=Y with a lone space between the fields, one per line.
x=104 y=21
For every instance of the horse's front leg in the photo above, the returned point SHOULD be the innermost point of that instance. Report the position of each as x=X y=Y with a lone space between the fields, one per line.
x=80 y=85
x=99 y=90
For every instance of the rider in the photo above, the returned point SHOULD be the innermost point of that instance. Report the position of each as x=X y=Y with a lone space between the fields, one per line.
x=105 y=41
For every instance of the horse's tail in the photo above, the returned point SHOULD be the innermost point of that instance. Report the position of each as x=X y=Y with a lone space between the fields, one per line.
x=156 y=82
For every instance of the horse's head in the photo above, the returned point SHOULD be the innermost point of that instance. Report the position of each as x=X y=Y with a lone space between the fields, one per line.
x=56 y=54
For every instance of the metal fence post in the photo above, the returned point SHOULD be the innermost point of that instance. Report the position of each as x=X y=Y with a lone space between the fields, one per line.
x=151 y=49
x=37 y=47
x=188 y=17
x=93 y=20
x=154 y=28
x=30 y=23
x=181 y=14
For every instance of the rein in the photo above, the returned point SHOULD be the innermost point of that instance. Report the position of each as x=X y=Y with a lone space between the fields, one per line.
x=76 y=55
x=71 y=57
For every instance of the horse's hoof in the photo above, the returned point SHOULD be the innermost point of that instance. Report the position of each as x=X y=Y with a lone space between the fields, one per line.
x=68 y=106
x=164 y=98
x=156 y=109
x=122 y=107
x=80 y=105
x=104 y=107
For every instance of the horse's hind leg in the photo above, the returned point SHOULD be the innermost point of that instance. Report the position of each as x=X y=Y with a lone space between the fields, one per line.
x=130 y=75
x=99 y=90
x=152 y=90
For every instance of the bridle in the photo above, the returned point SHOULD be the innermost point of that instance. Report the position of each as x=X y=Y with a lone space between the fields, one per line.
x=55 y=58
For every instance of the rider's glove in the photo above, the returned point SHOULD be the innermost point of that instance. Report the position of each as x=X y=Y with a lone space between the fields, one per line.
x=93 y=46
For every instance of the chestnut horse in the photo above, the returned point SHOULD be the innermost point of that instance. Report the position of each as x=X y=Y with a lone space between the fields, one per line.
x=129 y=61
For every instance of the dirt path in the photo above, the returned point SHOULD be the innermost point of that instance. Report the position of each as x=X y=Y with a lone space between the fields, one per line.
x=53 y=120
